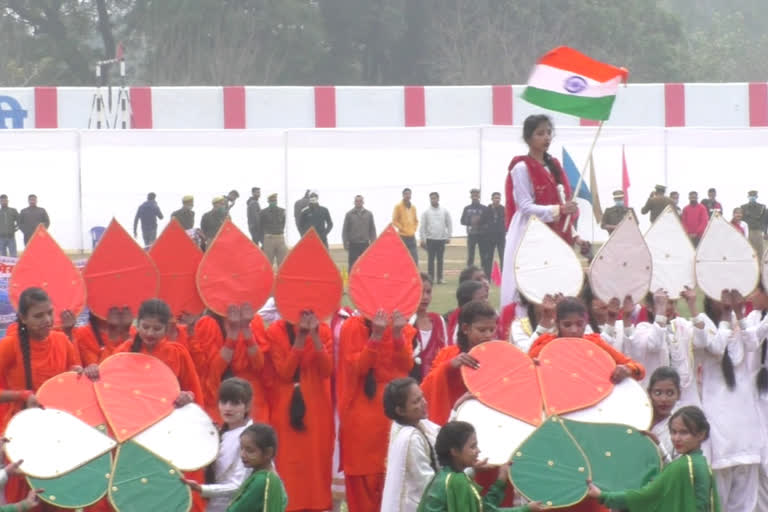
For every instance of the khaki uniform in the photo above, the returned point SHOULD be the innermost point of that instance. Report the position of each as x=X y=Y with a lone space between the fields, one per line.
x=756 y=218
x=272 y=219
x=655 y=205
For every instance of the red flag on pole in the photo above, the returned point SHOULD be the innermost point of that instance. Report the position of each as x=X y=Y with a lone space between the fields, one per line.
x=624 y=177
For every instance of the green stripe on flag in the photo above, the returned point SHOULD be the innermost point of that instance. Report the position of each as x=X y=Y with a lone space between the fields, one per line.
x=598 y=109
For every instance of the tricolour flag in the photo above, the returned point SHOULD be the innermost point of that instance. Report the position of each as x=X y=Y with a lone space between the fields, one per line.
x=584 y=192
x=568 y=81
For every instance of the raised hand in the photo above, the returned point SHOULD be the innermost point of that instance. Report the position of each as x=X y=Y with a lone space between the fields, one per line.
x=378 y=325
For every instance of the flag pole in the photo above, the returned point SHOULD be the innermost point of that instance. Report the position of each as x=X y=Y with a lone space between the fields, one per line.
x=583 y=170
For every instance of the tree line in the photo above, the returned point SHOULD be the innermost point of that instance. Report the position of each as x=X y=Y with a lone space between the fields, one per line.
x=374 y=42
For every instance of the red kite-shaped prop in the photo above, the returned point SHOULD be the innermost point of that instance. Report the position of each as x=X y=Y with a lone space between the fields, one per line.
x=177 y=258
x=308 y=279
x=233 y=271
x=385 y=277
x=119 y=273
x=45 y=265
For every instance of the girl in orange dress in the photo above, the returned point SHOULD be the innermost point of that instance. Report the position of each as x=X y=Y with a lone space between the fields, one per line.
x=302 y=410
x=371 y=355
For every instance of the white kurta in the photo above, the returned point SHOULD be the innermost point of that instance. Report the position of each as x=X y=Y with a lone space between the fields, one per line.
x=736 y=437
x=759 y=325
x=408 y=466
x=229 y=471
x=524 y=198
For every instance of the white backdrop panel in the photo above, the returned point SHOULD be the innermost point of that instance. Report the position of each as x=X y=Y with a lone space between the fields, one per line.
x=378 y=164
x=120 y=168
x=45 y=163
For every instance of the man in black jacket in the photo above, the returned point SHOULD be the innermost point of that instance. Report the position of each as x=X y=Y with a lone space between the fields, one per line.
x=472 y=217
x=315 y=216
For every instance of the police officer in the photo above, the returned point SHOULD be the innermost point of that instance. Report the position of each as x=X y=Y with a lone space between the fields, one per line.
x=756 y=219
x=616 y=213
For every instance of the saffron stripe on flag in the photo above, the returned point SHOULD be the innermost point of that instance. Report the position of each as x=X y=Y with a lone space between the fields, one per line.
x=46 y=107
x=593 y=108
x=234 y=107
x=758 y=104
x=141 y=107
x=674 y=105
x=502 y=104
x=325 y=106
x=415 y=106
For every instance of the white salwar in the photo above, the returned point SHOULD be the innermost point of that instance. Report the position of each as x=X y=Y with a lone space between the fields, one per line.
x=759 y=325
x=524 y=198
x=736 y=436
x=409 y=470
x=667 y=449
x=229 y=472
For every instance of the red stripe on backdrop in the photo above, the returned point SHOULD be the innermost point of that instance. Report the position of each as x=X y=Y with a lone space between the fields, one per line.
x=758 y=104
x=325 y=106
x=46 y=107
x=141 y=107
x=674 y=105
x=234 y=107
x=502 y=104
x=588 y=122
x=415 y=106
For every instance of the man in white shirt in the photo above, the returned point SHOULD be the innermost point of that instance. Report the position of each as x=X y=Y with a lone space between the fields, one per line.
x=435 y=232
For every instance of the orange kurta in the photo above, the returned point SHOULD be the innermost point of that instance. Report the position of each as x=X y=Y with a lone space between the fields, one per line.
x=178 y=360
x=310 y=451
x=638 y=372
x=210 y=340
x=443 y=385
x=364 y=429
x=88 y=346
x=48 y=358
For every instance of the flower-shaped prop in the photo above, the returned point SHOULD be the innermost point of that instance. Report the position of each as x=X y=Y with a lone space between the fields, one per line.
x=524 y=411
x=68 y=447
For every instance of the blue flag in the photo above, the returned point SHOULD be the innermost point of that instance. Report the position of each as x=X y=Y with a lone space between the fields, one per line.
x=573 y=177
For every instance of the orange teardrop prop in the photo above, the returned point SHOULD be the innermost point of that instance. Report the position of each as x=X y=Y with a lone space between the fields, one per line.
x=74 y=394
x=308 y=279
x=177 y=258
x=506 y=381
x=119 y=273
x=233 y=271
x=135 y=391
x=45 y=265
x=385 y=277
x=574 y=373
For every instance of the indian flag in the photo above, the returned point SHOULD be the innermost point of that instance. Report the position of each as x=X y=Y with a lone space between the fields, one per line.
x=570 y=82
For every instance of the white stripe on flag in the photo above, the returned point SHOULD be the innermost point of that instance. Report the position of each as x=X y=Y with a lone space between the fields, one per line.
x=567 y=82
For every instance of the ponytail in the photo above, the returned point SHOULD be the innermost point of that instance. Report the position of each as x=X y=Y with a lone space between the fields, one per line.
x=92 y=320
x=762 y=375
x=25 y=352
x=726 y=364
x=298 y=408
x=551 y=164
x=369 y=386
x=136 y=344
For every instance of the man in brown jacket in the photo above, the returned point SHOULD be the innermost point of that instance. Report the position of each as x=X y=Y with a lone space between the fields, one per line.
x=657 y=202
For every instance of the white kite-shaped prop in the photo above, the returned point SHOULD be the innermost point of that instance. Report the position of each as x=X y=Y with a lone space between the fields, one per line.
x=672 y=253
x=498 y=434
x=725 y=260
x=545 y=264
x=622 y=266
